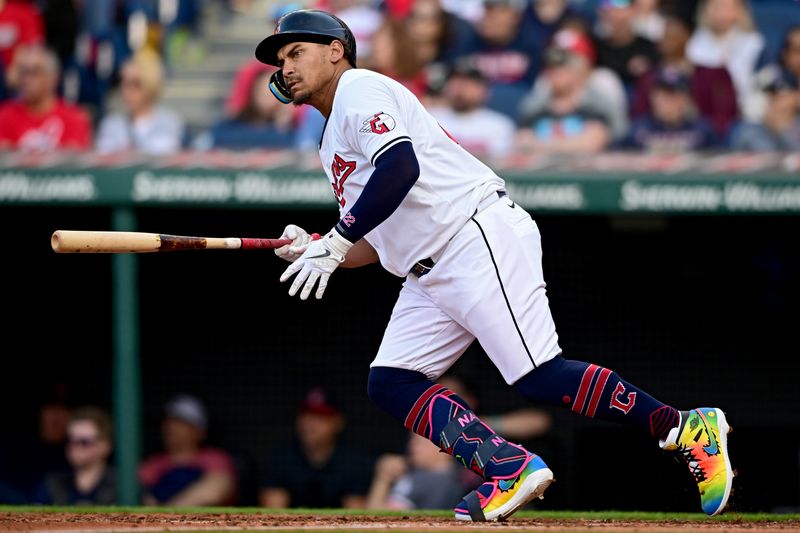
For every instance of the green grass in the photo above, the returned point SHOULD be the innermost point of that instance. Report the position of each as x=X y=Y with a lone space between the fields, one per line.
x=545 y=515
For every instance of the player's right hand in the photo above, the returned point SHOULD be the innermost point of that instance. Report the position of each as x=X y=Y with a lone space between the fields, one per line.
x=300 y=240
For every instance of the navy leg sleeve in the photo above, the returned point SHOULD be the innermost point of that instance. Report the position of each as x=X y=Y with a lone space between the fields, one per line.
x=595 y=391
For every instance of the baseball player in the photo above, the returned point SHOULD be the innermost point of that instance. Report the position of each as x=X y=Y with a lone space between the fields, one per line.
x=411 y=198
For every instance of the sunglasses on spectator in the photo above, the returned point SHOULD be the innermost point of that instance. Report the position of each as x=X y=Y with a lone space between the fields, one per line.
x=83 y=442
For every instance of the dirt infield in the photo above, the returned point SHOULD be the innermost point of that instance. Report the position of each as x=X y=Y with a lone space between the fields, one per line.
x=64 y=522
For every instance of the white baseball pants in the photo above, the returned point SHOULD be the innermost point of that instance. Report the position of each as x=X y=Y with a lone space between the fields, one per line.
x=488 y=284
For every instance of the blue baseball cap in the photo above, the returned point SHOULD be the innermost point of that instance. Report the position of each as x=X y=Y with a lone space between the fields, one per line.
x=673 y=79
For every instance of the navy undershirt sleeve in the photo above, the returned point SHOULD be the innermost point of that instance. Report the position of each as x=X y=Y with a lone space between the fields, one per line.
x=396 y=171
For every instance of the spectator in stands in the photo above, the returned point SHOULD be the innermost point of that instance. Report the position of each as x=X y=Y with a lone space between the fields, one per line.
x=543 y=18
x=711 y=88
x=416 y=43
x=790 y=53
x=26 y=461
x=504 y=49
x=482 y=131
x=619 y=47
x=39 y=120
x=438 y=35
x=249 y=87
x=102 y=43
x=188 y=473
x=362 y=18
x=779 y=129
x=91 y=480
x=144 y=125
x=395 y=54
x=673 y=125
x=263 y=122
x=20 y=24
x=727 y=37
x=648 y=20
x=423 y=478
x=787 y=65
x=316 y=470
x=602 y=84
x=568 y=116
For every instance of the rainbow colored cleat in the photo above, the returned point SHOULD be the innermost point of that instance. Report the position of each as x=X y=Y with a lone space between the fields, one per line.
x=498 y=499
x=701 y=439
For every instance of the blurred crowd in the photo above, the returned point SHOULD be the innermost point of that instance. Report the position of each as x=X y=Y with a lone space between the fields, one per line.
x=543 y=76
x=70 y=461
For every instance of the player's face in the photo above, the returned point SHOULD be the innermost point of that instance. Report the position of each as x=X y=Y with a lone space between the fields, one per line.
x=306 y=69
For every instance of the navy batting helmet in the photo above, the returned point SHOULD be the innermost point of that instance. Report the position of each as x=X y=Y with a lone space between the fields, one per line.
x=307 y=25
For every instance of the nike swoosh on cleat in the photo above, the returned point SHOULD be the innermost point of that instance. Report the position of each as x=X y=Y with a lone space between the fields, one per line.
x=712 y=448
x=327 y=253
x=506 y=485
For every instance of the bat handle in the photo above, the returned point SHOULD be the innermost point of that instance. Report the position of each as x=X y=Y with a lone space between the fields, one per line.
x=271 y=244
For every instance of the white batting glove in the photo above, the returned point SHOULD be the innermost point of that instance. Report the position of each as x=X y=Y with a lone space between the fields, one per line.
x=300 y=239
x=318 y=262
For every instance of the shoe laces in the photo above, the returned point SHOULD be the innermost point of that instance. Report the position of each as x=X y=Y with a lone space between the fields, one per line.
x=687 y=454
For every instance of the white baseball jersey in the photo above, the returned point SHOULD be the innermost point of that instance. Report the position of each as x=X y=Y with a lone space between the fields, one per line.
x=370 y=114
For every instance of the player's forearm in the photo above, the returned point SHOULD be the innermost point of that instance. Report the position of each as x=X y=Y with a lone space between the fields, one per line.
x=361 y=254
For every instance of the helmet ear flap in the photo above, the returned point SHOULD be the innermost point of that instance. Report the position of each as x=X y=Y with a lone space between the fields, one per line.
x=278 y=88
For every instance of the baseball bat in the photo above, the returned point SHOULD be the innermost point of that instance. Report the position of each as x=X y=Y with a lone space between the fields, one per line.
x=109 y=242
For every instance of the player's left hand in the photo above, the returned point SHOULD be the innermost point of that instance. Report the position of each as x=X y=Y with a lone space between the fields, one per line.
x=318 y=262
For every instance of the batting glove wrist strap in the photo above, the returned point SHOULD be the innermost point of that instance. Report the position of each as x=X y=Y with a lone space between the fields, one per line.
x=337 y=244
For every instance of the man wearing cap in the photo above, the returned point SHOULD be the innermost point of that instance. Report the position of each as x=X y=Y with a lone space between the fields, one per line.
x=673 y=125
x=779 y=129
x=505 y=49
x=570 y=116
x=482 y=131
x=316 y=469
x=619 y=47
x=187 y=473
